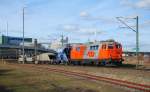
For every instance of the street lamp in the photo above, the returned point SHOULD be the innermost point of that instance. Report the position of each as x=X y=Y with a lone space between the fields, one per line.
x=137 y=35
x=23 y=35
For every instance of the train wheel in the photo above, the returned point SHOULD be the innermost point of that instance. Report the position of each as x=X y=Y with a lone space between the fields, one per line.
x=79 y=63
x=92 y=63
x=119 y=63
x=98 y=63
x=83 y=63
x=75 y=63
x=71 y=62
x=104 y=63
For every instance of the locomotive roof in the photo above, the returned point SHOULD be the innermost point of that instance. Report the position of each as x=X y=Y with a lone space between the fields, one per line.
x=96 y=43
x=102 y=42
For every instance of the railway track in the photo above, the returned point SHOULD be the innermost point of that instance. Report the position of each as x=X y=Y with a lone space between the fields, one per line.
x=134 y=86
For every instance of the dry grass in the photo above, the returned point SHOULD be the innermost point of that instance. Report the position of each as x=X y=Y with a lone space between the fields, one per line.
x=126 y=72
x=14 y=78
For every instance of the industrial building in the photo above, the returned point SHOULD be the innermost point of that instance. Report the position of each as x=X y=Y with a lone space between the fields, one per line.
x=8 y=40
x=11 y=47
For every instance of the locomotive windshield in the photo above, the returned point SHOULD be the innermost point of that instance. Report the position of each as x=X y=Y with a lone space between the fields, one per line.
x=110 y=46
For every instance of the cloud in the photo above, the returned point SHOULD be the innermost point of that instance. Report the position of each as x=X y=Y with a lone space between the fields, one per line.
x=88 y=17
x=90 y=31
x=84 y=14
x=140 y=4
x=145 y=24
x=78 y=29
x=70 y=27
x=143 y=4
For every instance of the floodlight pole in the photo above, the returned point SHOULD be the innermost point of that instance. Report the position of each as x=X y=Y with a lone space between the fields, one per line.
x=62 y=40
x=137 y=36
x=23 y=36
x=7 y=28
x=35 y=50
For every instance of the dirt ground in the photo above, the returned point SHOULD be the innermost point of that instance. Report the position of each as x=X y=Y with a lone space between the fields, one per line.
x=14 y=78
x=143 y=60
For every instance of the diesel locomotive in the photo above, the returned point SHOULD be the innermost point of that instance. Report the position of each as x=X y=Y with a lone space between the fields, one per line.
x=103 y=52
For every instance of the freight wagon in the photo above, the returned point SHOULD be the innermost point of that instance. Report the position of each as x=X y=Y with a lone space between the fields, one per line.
x=46 y=58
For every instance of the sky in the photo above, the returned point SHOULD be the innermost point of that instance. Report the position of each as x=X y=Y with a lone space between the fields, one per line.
x=80 y=20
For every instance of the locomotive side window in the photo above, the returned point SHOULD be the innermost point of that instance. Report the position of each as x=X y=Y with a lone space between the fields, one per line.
x=91 y=48
x=118 y=46
x=94 y=47
x=110 y=46
x=78 y=49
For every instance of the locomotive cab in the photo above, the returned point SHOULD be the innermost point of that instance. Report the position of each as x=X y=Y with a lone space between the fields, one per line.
x=111 y=52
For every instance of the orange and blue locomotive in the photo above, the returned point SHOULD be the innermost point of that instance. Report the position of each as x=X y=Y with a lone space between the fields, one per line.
x=103 y=52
